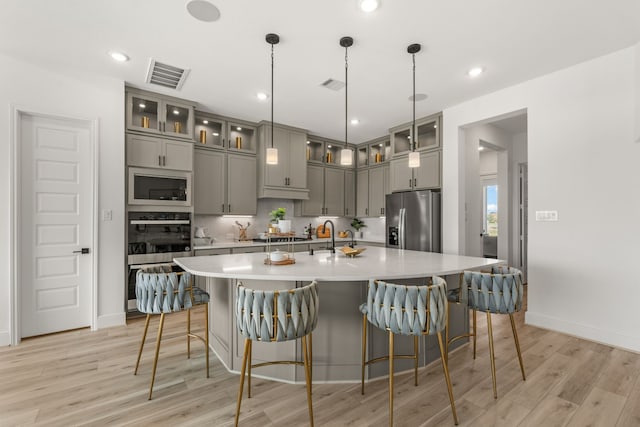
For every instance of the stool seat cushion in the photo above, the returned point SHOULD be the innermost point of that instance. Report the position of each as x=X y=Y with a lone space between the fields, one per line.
x=407 y=310
x=363 y=308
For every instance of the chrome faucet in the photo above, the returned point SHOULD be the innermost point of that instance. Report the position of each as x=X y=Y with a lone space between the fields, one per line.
x=353 y=242
x=333 y=235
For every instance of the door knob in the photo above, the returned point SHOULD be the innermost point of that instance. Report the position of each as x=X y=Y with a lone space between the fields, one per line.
x=82 y=251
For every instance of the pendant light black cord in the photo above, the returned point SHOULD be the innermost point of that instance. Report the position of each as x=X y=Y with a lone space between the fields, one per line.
x=346 y=93
x=271 y=95
x=413 y=128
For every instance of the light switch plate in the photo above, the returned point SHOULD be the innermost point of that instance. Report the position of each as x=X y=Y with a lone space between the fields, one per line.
x=546 y=215
x=107 y=214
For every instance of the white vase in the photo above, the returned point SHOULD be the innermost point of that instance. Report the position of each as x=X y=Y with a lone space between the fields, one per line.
x=284 y=225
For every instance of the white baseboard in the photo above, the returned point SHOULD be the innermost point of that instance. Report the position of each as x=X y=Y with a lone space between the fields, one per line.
x=5 y=338
x=590 y=333
x=109 y=320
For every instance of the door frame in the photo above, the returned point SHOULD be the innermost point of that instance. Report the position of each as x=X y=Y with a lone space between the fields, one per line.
x=17 y=114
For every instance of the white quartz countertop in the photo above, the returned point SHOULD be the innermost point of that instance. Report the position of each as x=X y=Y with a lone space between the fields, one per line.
x=250 y=243
x=373 y=263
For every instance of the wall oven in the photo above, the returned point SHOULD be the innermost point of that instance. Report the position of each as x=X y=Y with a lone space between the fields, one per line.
x=155 y=238
x=157 y=187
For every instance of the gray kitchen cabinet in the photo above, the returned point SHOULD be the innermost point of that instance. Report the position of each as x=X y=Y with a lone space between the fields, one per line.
x=326 y=192
x=209 y=176
x=154 y=152
x=287 y=179
x=158 y=114
x=212 y=131
x=247 y=249
x=241 y=185
x=428 y=135
x=349 y=193
x=427 y=176
x=372 y=185
x=224 y=183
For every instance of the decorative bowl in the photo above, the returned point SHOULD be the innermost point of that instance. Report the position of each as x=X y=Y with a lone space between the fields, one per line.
x=278 y=256
x=343 y=234
x=352 y=252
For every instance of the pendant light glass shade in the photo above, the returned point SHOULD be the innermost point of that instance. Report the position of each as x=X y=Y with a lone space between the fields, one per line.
x=272 y=156
x=414 y=157
x=272 y=152
x=346 y=154
x=346 y=157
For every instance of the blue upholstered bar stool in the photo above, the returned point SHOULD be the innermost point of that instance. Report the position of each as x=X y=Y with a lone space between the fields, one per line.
x=273 y=316
x=497 y=292
x=160 y=291
x=407 y=310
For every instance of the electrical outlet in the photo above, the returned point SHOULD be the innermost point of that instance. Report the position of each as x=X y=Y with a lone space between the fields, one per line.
x=107 y=214
x=546 y=215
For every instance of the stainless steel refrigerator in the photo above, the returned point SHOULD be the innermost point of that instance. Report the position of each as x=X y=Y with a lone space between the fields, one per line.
x=413 y=221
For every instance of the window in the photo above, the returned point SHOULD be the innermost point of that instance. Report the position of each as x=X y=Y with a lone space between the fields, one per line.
x=490 y=208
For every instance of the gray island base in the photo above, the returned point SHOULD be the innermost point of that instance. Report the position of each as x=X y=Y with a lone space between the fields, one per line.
x=342 y=284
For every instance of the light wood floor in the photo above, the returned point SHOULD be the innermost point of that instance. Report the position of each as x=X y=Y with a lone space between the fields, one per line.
x=86 y=378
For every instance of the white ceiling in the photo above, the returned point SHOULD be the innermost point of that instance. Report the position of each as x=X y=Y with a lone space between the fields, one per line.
x=230 y=60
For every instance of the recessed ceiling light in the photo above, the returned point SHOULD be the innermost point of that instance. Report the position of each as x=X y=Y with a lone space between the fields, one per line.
x=142 y=105
x=355 y=121
x=480 y=148
x=118 y=56
x=475 y=72
x=206 y=122
x=369 y=5
x=203 y=10
x=176 y=112
x=262 y=96
x=238 y=128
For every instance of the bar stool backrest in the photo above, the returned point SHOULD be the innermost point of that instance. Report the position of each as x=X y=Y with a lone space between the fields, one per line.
x=500 y=291
x=277 y=315
x=158 y=290
x=407 y=309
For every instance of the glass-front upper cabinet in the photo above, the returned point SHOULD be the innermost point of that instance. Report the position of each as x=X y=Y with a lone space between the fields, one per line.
x=326 y=152
x=362 y=155
x=152 y=113
x=427 y=138
x=210 y=132
x=379 y=151
x=241 y=137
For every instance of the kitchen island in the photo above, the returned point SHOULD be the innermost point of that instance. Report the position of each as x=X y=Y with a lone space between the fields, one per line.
x=342 y=284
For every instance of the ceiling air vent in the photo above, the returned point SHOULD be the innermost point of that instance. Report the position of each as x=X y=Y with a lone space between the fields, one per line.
x=332 y=84
x=166 y=75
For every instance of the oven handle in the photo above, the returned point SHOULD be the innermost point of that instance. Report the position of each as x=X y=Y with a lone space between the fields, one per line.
x=161 y=222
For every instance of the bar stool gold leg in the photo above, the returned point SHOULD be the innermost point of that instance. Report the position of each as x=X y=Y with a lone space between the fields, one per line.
x=475 y=333
x=515 y=337
x=247 y=343
x=188 y=333
x=445 y=368
x=492 y=356
x=390 y=379
x=206 y=335
x=307 y=372
x=364 y=351
x=144 y=337
x=249 y=369
x=311 y=361
x=155 y=359
x=415 y=360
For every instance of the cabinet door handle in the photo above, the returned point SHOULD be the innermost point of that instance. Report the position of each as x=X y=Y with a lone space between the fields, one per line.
x=415 y=182
x=229 y=208
x=159 y=160
x=410 y=183
x=223 y=207
x=164 y=160
x=366 y=211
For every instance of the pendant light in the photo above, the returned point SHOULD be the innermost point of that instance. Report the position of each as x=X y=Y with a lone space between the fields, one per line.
x=414 y=156
x=272 y=153
x=346 y=155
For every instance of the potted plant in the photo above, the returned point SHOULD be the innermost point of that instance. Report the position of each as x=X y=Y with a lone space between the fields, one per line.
x=358 y=224
x=277 y=216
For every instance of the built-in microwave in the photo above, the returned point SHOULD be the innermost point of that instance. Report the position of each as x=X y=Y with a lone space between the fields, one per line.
x=157 y=187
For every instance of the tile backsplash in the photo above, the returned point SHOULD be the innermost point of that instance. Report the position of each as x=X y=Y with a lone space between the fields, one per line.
x=224 y=228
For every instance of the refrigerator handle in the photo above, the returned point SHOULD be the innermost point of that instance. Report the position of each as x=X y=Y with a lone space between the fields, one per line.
x=401 y=228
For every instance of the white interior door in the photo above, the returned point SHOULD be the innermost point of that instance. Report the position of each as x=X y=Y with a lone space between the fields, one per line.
x=56 y=211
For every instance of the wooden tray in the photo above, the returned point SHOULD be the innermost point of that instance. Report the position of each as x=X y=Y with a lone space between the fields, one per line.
x=287 y=261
